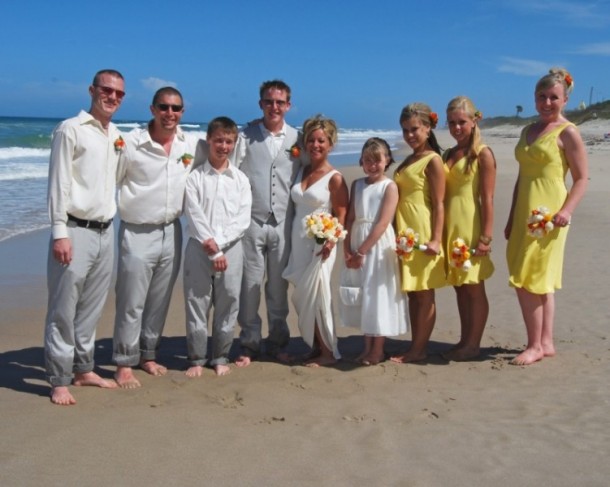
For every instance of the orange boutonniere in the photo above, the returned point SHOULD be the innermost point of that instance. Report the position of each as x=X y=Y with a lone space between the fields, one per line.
x=185 y=159
x=119 y=144
x=294 y=151
x=433 y=119
x=569 y=80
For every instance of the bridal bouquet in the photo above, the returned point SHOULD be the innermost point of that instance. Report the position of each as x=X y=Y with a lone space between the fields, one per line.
x=460 y=255
x=407 y=241
x=540 y=222
x=322 y=226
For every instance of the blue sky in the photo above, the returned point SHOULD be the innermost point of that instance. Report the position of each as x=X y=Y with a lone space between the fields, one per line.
x=358 y=62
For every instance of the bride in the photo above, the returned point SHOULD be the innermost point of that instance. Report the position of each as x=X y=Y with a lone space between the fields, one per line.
x=318 y=187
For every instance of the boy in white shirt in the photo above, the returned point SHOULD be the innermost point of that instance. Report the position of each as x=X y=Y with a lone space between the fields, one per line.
x=217 y=206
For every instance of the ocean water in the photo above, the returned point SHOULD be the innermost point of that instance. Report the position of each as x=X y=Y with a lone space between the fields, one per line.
x=24 y=163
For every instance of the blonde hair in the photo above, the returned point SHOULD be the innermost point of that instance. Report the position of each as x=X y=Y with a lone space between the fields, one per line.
x=319 y=122
x=555 y=76
x=427 y=117
x=379 y=148
x=474 y=144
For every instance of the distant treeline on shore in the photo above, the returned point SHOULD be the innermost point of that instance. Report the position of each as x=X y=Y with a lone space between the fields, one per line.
x=592 y=112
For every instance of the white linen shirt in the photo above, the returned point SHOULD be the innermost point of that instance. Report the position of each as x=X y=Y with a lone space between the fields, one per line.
x=151 y=183
x=217 y=204
x=82 y=172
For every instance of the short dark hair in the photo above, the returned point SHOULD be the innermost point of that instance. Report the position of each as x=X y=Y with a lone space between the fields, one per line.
x=277 y=84
x=111 y=72
x=166 y=90
x=222 y=123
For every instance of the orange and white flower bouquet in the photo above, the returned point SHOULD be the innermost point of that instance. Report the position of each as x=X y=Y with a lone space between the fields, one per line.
x=460 y=255
x=540 y=222
x=322 y=226
x=406 y=242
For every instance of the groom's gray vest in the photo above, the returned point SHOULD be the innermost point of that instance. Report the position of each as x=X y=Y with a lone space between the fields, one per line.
x=271 y=180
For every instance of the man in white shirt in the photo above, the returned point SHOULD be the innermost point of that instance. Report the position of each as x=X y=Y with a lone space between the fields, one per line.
x=81 y=200
x=152 y=174
x=217 y=205
x=266 y=153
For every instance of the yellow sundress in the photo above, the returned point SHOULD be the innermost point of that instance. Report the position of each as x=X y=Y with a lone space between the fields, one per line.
x=536 y=264
x=421 y=271
x=463 y=219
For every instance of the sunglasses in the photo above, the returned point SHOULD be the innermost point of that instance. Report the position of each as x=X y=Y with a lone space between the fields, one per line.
x=164 y=107
x=110 y=91
x=269 y=103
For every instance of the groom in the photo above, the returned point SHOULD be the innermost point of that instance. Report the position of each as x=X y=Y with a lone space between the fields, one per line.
x=263 y=154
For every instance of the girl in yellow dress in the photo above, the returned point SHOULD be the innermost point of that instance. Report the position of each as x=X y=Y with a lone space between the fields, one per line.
x=421 y=188
x=547 y=149
x=470 y=170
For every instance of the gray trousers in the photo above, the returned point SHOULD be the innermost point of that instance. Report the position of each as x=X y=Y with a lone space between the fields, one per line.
x=149 y=263
x=266 y=250
x=204 y=288
x=77 y=294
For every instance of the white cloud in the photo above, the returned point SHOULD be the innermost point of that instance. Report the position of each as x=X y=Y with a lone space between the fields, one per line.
x=153 y=84
x=593 y=14
x=523 y=67
x=598 y=49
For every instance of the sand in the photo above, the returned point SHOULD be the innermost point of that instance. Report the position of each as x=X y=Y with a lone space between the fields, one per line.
x=435 y=423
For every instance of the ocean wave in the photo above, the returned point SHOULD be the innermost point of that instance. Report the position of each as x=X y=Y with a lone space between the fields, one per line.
x=22 y=152
x=23 y=170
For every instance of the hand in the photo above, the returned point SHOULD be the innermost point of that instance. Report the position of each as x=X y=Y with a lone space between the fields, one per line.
x=482 y=249
x=508 y=228
x=433 y=247
x=326 y=250
x=62 y=250
x=562 y=218
x=220 y=264
x=210 y=247
x=354 y=261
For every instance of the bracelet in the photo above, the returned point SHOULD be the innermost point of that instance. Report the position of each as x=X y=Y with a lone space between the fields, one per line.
x=485 y=239
x=359 y=254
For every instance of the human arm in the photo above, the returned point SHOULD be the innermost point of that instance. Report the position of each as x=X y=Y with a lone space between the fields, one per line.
x=349 y=221
x=339 y=201
x=436 y=181
x=487 y=182
x=576 y=155
x=509 y=223
x=198 y=221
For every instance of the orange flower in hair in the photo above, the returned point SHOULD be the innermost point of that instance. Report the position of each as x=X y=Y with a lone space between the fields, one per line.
x=433 y=119
x=569 y=80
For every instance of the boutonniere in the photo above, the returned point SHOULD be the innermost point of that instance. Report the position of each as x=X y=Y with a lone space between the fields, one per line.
x=119 y=144
x=294 y=151
x=185 y=159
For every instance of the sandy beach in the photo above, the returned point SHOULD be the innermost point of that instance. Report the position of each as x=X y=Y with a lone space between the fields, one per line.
x=435 y=423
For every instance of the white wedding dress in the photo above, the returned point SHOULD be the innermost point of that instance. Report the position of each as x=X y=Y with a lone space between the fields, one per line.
x=306 y=270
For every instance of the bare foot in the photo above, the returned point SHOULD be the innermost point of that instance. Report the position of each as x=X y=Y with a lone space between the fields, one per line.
x=92 y=379
x=528 y=357
x=243 y=361
x=549 y=350
x=61 y=395
x=222 y=369
x=372 y=359
x=409 y=356
x=194 y=371
x=462 y=354
x=124 y=378
x=153 y=368
x=321 y=361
